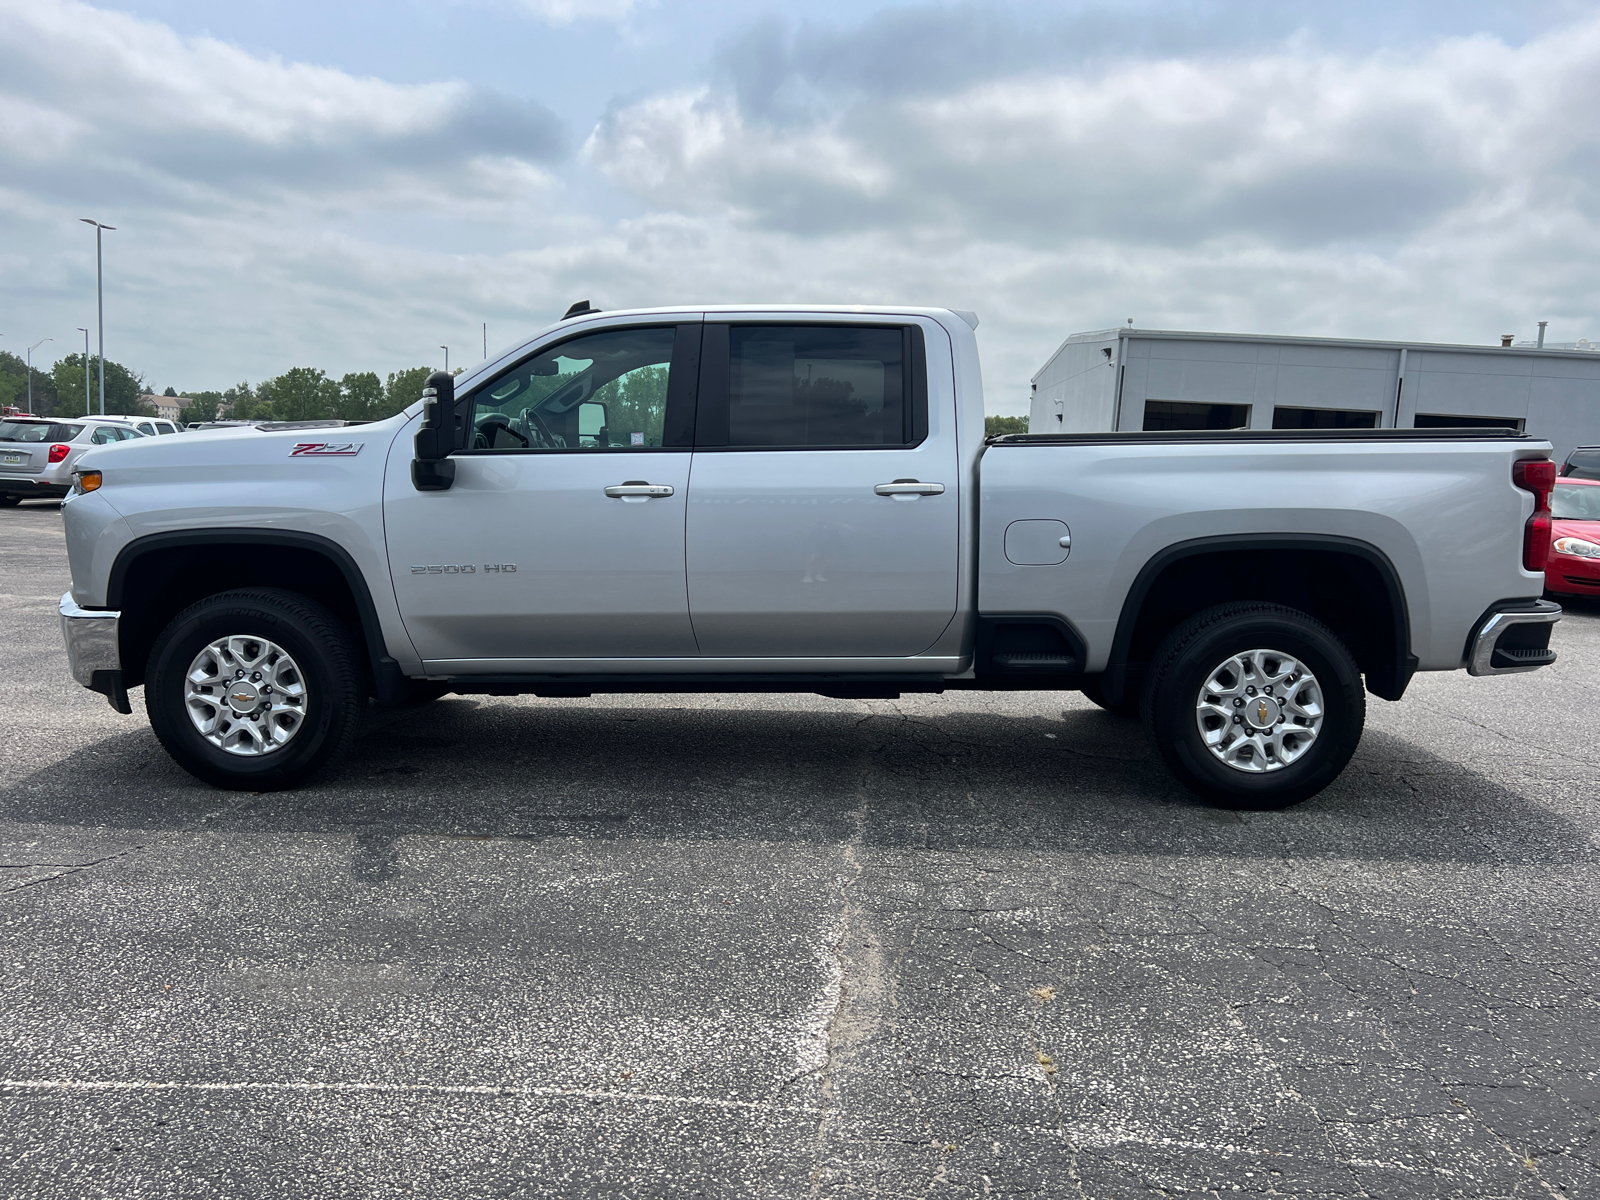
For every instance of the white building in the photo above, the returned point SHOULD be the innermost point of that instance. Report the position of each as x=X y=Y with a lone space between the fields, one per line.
x=1119 y=379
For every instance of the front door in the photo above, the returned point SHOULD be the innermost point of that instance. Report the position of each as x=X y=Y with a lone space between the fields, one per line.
x=824 y=510
x=562 y=536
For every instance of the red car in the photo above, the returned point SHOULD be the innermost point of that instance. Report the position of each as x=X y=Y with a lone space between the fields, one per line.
x=1574 y=566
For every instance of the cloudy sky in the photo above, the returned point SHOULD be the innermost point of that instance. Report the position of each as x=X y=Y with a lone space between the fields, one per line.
x=348 y=185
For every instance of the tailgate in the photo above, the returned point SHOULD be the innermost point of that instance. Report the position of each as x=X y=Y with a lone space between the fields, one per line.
x=16 y=458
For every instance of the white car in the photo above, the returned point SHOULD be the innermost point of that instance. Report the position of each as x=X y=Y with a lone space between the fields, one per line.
x=149 y=426
x=37 y=453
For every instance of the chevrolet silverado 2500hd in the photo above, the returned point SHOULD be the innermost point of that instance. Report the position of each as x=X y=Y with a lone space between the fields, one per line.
x=801 y=499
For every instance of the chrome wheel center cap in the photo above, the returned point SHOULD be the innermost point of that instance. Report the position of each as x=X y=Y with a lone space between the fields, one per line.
x=1261 y=712
x=243 y=696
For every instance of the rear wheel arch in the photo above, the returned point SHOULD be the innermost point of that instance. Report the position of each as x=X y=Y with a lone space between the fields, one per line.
x=1347 y=584
x=157 y=576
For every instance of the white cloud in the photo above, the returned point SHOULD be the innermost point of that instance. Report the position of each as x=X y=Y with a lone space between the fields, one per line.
x=1288 y=148
x=275 y=213
x=562 y=12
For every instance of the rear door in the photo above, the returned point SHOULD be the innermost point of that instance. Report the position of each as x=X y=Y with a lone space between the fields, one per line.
x=823 y=516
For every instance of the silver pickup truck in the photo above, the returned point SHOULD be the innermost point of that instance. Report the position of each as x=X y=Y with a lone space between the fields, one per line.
x=794 y=499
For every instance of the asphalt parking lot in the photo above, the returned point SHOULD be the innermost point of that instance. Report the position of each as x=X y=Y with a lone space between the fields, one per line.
x=788 y=946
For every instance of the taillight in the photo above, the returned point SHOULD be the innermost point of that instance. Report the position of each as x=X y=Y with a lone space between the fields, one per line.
x=58 y=452
x=1536 y=475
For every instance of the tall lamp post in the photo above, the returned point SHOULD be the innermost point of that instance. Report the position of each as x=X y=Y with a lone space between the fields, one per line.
x=100 y=301
x=446 y=350
x=31 y=349
x=85 y=333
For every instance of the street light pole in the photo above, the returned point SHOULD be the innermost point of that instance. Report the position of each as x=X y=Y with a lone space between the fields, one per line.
x=446 y=350
x=100 y=300
x=31 y=349
x=85 y=333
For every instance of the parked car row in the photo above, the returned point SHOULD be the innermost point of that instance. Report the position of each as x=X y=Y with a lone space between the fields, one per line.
x=37 y=453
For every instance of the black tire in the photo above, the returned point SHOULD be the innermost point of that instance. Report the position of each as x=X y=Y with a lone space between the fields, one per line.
x=324 y=652
x=10 y=501
x=1182 y=666
x=1129 y=706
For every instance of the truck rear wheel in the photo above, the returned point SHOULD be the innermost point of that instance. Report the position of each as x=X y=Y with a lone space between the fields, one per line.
x=254 y=689
x=1255 y=705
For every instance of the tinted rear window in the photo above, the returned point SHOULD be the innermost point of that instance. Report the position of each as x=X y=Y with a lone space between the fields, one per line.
x=807 y=385
x=37 y=431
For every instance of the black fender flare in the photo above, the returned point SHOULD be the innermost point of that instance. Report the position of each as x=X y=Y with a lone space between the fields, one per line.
x=1388 y=684
x=388 y=680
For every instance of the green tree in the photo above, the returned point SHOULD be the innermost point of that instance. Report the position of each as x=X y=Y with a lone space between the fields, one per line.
x=68 y=374
x=404 y=388
x=14 y=385
x=123 y=388
x=244 y=405
x=995 y=426
x=301 y=394
x=202 y=406
x=360 y=397
x=635 y=403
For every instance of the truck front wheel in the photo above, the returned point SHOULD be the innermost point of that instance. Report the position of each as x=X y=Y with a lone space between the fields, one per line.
x=1254 y=706
x=255 y=689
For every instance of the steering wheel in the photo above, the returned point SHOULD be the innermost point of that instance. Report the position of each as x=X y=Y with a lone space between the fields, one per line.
x=488 y=431
x=541 y=430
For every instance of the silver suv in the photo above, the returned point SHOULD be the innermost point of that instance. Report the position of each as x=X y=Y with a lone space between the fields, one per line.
x=37 y=453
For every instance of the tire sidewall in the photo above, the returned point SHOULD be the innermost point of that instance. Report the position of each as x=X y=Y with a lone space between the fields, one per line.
x=1344 y=707
x=176 y=649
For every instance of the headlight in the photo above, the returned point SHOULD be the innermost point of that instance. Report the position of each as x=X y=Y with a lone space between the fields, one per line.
x=89 y=481
x=1577 y=546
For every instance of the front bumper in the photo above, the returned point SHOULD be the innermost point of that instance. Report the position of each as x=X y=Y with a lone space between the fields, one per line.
x=1573 y=575
x=93 y=650
x=1513 y=637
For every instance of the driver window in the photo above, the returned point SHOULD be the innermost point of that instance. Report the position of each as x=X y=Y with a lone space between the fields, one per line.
x=606 y=391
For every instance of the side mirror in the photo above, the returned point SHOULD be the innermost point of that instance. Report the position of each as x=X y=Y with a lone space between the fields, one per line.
x=591 y=419
x=431 y=469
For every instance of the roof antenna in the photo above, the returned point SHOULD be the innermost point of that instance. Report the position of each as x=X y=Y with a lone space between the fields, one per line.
x=579 y=309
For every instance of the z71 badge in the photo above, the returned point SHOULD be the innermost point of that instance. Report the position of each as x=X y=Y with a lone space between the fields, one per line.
x=314 y=449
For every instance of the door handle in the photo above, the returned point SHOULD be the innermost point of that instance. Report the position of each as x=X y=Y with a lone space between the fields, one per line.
x=909 y=487
x=638 y=487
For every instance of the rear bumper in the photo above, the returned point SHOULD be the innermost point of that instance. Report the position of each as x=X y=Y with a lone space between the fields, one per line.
x=1513 y=637
x=33 y=488
x=92 y=650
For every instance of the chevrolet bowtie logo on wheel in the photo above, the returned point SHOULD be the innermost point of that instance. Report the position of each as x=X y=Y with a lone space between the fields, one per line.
x=1261 y=714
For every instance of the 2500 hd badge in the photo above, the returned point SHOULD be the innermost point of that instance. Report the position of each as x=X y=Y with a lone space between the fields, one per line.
x=464 y=569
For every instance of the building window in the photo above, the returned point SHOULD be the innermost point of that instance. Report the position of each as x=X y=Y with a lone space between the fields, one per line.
x=1178 y=414
x=1323 y=418
x=1453 y=421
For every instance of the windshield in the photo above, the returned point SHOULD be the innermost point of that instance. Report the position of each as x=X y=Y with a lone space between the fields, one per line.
x=37 y=431
x=1574 y=502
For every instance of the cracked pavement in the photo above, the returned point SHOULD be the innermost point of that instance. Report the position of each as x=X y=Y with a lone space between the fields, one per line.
x=780 y=946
